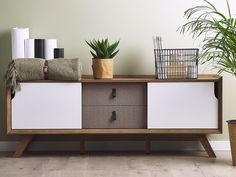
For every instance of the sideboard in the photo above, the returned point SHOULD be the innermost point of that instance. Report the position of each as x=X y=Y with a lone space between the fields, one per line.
x=135 y=105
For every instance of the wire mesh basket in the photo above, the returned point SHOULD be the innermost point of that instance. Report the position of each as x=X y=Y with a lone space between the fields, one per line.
x=176 y=63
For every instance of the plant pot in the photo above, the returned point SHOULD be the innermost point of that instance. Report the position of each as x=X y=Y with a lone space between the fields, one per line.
x=232 y=137
x=102 y=68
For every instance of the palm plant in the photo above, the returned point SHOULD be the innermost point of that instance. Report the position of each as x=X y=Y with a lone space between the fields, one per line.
x=219 y=32
x=103 y=49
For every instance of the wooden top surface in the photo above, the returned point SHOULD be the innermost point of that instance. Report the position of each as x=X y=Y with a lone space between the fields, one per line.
x=138 y=79
x=149 y=78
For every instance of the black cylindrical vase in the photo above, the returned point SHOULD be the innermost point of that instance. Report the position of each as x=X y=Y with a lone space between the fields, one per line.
x=39 y=48
x=58 y=52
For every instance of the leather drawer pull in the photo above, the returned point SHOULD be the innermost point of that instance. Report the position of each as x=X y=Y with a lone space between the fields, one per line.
x=113 y=115
x=113 y=93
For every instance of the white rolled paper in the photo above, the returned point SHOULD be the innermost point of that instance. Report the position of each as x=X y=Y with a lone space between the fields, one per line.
x=29 y=48
x=18 y=36
x=50 y=44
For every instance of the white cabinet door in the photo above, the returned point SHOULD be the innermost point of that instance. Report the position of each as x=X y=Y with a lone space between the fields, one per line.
x=47 y=106
x=182 y=106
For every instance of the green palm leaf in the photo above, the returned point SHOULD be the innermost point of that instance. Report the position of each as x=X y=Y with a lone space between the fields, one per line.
x=219 y=32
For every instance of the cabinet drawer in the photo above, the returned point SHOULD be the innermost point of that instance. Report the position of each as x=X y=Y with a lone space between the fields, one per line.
x=114 y=94
x=114 y=117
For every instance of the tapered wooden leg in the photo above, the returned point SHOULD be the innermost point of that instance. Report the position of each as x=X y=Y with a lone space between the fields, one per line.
x=82 y=145
x=206 y=145
x=25 y=141
x=147 y=145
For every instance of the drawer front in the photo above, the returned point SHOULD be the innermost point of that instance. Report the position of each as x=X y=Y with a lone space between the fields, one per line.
x=47 y=106
x=114 y=94
x=114 y=117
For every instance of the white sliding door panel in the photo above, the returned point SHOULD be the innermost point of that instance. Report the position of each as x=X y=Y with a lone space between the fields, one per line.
x=182 y=105
x=47 y=106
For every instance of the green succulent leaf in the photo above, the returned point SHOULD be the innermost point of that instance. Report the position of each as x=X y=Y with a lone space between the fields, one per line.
x=113 y=47
x=102 y=48
x=114 y=54
x=93 y=54
x=92 y=45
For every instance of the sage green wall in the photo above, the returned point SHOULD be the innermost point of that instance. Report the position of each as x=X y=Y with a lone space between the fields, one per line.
x=134 y=22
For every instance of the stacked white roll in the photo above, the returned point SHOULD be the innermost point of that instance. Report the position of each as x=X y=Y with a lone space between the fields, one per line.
x=50 y=44
x=18 y=42
x=29 y=48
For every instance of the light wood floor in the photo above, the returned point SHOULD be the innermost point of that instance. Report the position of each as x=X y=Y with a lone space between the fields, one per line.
x=118 y=165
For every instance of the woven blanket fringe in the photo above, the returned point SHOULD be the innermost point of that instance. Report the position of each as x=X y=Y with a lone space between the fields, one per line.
x=10 y=77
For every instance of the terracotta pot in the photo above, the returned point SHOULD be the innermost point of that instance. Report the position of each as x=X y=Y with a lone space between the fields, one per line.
x=102 y=68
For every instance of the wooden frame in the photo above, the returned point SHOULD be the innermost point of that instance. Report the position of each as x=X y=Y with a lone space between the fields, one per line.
x=117 y=131
x=129 y=79
x=26 y=140
x=22 y=146
x=132 y=79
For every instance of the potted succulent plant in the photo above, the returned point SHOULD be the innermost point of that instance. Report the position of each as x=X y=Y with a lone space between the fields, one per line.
x=103 y=53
